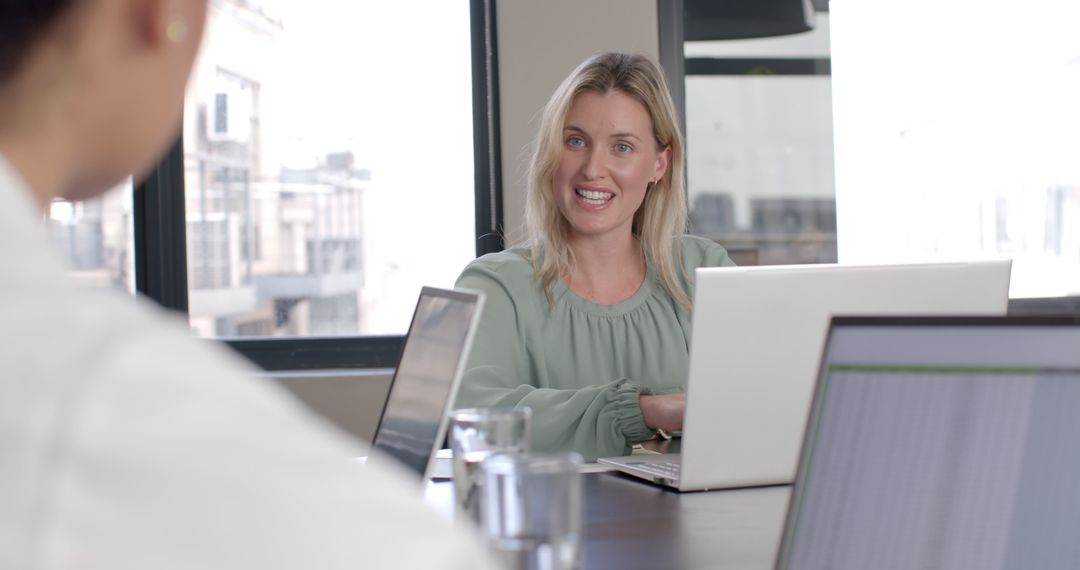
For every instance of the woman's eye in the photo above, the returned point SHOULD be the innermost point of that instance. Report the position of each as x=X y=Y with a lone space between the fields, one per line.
x=623 y=148
x=575 y=141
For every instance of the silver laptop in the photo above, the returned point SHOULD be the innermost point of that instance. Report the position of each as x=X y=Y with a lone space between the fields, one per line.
x=427 y=377
x=941 y=443
x=754 y=350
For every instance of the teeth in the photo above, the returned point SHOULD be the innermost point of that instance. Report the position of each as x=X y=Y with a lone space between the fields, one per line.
x=594 y=197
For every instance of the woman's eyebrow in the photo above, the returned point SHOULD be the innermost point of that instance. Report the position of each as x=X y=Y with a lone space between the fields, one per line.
x=579 y=130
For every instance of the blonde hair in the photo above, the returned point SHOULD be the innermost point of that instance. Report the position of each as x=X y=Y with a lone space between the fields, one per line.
x=660 y=221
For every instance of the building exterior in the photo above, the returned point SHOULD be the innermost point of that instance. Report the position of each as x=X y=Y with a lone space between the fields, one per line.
x=272 y=250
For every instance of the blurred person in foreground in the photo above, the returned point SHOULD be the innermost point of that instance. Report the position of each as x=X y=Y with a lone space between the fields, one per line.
x=124 y=442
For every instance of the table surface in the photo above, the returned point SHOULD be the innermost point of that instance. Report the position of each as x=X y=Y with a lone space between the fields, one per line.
x=634 y=524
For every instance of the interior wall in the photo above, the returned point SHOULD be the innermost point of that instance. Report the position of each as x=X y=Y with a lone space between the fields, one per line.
x=539 y=44
x=352 y=400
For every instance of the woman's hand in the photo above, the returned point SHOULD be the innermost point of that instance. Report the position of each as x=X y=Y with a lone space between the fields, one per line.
x=664 y=411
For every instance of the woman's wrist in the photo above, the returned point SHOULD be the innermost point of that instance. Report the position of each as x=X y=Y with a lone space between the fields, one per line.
x=663 y=412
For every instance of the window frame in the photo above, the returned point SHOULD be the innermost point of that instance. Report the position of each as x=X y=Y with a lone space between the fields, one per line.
x=159 y=220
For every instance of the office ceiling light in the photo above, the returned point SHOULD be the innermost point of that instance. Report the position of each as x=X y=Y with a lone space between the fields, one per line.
x=707 y=20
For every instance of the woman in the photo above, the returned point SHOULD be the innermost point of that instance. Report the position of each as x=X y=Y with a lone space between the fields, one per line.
x=589 y=323
x=127 y=443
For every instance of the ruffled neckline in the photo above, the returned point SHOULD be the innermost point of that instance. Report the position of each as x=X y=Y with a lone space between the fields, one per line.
x=563 y=292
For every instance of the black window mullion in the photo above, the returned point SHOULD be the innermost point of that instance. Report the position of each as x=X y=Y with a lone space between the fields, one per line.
x=160 y=233
x=672 y=36
x=314 y=353
x=486 y=140
x=743 y=66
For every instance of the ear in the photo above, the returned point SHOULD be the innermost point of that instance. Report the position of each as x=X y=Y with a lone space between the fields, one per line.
x=150 y=21
x=663 y=160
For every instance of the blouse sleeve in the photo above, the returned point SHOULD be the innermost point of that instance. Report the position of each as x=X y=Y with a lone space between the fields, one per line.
x=597 y=421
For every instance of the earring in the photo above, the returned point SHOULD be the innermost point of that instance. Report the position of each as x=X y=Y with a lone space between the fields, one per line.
x=177 y=31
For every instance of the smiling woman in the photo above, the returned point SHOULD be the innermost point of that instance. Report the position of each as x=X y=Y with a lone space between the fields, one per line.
x=588 y=323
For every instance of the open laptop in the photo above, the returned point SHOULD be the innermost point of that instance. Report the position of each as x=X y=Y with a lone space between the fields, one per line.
x=754 y=350
x=427 y=377
x=941 y=443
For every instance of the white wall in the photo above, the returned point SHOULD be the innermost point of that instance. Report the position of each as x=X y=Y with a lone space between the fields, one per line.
x=351 y=400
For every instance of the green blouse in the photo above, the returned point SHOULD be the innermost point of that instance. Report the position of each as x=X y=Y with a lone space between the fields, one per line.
x=580 y=366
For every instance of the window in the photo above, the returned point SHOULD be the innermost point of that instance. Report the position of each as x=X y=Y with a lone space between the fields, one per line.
x=336 y=156
x=961 y=149
x=357 y=168
x=944 y=149
x=759 y=146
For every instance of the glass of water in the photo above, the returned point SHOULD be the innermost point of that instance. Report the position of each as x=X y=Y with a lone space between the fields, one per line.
x=531 y=512
x=475 y=434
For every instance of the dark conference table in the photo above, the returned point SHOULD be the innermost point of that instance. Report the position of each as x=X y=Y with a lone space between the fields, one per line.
x=633 y=524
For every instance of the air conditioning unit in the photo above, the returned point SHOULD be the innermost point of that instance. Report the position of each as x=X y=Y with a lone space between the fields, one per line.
x=230 y=116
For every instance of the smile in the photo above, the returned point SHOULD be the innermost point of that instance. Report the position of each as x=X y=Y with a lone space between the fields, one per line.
x=594 y=197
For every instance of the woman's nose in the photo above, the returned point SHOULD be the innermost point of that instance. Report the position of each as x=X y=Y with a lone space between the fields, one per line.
x=594 y=166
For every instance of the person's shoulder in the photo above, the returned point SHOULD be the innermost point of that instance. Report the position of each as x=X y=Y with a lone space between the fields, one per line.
x=699 y=244
x=165 y=405
x=505 y=260
x=146 y=347
x=509 y=266
x=703 y=252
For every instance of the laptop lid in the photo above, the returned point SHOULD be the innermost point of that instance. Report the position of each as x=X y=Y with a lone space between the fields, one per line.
x=426 y=380
x=941 y=443
x=756 y=344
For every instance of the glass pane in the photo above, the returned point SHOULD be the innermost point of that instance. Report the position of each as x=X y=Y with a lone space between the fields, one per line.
x=96 y=239
x=759 y=147
x=329 y=165
x=961 y=150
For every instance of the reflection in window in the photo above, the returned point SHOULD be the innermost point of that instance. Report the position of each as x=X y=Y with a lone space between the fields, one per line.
x=759 y=147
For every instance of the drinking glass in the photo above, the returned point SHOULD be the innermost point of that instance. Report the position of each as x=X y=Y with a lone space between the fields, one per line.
x=476 y=434
x=532 y=510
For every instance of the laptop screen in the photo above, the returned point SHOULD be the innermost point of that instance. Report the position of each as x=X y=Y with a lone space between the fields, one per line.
x=426 y=378
x=756 y=344
x=941 y=443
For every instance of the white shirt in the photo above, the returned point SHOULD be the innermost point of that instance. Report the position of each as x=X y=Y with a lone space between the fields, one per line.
x=126 y=443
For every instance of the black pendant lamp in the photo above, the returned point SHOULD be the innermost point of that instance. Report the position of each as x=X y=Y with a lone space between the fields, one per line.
x=707 y=20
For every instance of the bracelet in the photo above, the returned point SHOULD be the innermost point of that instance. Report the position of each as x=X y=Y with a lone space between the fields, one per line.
x=662 y=434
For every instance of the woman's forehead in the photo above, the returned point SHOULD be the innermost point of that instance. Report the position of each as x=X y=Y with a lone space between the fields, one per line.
x=608 y=112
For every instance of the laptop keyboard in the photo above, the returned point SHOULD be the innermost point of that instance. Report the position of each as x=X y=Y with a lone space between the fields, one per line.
x=667 y=469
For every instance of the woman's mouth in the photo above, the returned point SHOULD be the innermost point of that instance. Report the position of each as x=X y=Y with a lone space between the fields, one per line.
x=594 y=197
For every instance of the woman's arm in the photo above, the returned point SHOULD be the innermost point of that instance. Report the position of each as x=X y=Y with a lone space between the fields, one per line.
x=596 y=421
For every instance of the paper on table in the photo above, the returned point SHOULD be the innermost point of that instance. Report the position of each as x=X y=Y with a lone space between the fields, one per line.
x=443 y=471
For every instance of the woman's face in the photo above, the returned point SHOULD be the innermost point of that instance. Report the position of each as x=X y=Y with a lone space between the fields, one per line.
x=609 y=156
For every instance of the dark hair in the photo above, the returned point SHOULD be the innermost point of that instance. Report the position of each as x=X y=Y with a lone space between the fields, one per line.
x=22 y=23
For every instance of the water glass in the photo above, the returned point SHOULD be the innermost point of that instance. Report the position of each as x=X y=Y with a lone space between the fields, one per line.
x=532 y=510
x=475 y=434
